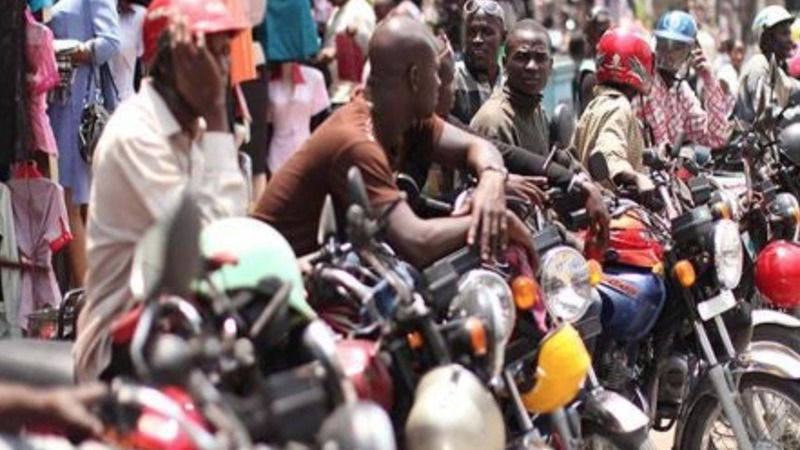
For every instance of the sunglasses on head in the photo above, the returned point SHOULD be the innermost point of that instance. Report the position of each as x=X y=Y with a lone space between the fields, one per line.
x=489 y=7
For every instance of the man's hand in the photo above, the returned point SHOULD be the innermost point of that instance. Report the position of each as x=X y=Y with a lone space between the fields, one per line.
x=598 y=213
x=70 y=408
x=488 y=209
x=527 y=187
x=198 y=76
x=699 y=62
x=82 y=55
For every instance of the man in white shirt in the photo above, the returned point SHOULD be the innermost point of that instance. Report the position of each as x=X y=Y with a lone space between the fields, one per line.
x=170 y=137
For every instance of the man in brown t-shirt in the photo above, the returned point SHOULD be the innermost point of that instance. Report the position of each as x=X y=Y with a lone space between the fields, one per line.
x=395 y=116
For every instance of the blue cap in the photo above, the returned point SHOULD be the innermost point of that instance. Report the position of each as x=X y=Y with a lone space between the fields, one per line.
x=677 y=26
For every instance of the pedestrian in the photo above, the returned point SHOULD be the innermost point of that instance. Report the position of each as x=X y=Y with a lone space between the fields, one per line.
x=94 y=26
x=123 y=65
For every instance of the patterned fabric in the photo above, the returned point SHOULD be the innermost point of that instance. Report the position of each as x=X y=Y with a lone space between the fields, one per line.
x=672 y=112
x=470 y=94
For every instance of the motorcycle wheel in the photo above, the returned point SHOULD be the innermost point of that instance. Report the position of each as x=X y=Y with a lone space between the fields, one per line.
x=706 y=428
x=789 y=337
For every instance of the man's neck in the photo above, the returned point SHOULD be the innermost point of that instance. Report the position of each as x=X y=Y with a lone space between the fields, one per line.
x=387 y=125
x=522 y=100
x=178 y=107
x=487 y=75
x=667 y=77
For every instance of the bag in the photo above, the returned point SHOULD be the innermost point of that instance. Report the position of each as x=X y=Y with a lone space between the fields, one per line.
x=95 y=115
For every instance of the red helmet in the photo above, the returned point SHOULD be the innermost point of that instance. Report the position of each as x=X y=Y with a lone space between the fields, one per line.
x=625 y=57
x=202 y=16
x=777 y=272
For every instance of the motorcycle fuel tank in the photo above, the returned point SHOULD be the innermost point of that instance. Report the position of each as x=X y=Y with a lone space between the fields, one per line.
x=632 y=300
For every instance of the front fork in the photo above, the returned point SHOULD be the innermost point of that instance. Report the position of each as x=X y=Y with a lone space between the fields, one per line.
x=722 y=379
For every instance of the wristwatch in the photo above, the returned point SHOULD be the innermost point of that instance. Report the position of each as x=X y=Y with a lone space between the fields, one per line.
x=499 y=169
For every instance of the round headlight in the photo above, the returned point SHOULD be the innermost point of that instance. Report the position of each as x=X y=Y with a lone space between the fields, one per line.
x=486 y=295
x=565 y=283
x=728 y=255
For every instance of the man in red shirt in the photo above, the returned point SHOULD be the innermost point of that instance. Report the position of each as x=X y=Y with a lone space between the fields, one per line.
x=376 y=133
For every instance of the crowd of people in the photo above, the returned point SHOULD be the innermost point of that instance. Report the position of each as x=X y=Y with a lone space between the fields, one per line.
x=261 y=108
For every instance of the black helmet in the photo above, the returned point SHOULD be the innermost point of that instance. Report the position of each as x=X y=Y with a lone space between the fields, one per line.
x=790 y=143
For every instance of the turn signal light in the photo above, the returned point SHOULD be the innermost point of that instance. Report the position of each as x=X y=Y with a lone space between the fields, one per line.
x=414 y=340
x=595 y=272
x=526 y=292
x=477 y=336
x=684 y=272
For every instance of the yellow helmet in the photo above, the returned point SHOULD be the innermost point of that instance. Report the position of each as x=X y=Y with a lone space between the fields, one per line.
x=563 y=363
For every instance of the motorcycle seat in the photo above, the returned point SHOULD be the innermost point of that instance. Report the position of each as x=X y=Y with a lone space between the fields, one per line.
x=37 y=362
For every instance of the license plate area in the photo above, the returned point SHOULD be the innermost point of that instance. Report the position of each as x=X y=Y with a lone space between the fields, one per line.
x=715 y=306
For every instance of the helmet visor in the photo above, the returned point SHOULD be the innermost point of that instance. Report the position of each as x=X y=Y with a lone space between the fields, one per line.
x=671 y=54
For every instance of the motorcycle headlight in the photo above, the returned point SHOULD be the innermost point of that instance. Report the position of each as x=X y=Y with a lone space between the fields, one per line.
x=728 y=255
x=565 y=283
x=486 y=295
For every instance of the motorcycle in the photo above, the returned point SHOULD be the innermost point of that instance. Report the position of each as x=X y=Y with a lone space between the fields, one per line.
x=665 y=281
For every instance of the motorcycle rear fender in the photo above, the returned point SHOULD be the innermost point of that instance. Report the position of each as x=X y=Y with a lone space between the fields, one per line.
x=770 y=316
x=772 y=358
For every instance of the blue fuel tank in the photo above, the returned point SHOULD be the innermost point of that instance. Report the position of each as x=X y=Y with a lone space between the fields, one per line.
x=632 y=300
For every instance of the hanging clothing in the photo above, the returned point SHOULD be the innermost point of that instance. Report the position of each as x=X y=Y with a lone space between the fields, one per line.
x=42 y=77
x=123 y=65
x=292 y=104
x=10 y=278
x=42 y=227
x=95 y=22
x=351 y=49
x=289 y=33
x=243 y=67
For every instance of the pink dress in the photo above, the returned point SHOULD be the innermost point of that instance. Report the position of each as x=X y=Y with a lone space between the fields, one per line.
x=42 y=77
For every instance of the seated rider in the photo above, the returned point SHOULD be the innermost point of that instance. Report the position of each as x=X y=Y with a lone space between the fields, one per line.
x=375 y=131
x=609 y=124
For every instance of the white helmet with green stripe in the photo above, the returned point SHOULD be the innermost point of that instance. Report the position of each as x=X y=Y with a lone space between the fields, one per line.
x=258 y=251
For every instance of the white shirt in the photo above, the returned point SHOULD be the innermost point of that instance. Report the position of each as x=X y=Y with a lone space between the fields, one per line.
x=360 y=15
x=291 y=110
x=123 y=65
x=143 y=163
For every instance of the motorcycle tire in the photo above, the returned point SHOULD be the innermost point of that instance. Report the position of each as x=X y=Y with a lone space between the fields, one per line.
x=789 y=337
x=697 y=426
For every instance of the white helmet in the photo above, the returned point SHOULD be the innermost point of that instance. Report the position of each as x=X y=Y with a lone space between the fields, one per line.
x=769 y=17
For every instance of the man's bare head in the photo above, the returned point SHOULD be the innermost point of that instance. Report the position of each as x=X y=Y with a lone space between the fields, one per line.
x=403 y=67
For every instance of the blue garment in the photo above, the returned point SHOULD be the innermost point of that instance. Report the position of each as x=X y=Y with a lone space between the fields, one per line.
x=289 y=32
x=36 y=5
x=95 y=22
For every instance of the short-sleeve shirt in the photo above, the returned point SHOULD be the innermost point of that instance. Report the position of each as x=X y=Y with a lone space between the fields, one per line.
x=293 y=199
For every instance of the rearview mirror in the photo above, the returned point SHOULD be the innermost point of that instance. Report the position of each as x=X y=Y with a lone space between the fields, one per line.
x=407 y=184
x=357 y=191
x=598 y=167
x=327 y=222
x=167 y=258
x=562 y=126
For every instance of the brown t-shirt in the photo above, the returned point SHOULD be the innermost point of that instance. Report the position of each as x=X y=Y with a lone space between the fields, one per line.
x=293 y=199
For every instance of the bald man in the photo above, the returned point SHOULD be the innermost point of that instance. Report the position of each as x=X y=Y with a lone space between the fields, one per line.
x=514 y=114
x=378 y=132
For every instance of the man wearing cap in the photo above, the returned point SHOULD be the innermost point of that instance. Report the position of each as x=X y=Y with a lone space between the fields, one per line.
x=672 y=112
x=599 y=21
x=171 y=137
x=772 y=28
x=479 y=72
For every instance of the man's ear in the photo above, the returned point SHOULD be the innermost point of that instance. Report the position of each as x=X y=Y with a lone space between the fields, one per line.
x=413 y=78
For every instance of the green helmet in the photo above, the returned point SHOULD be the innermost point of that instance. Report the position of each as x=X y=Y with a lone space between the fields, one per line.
x=259 y=251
